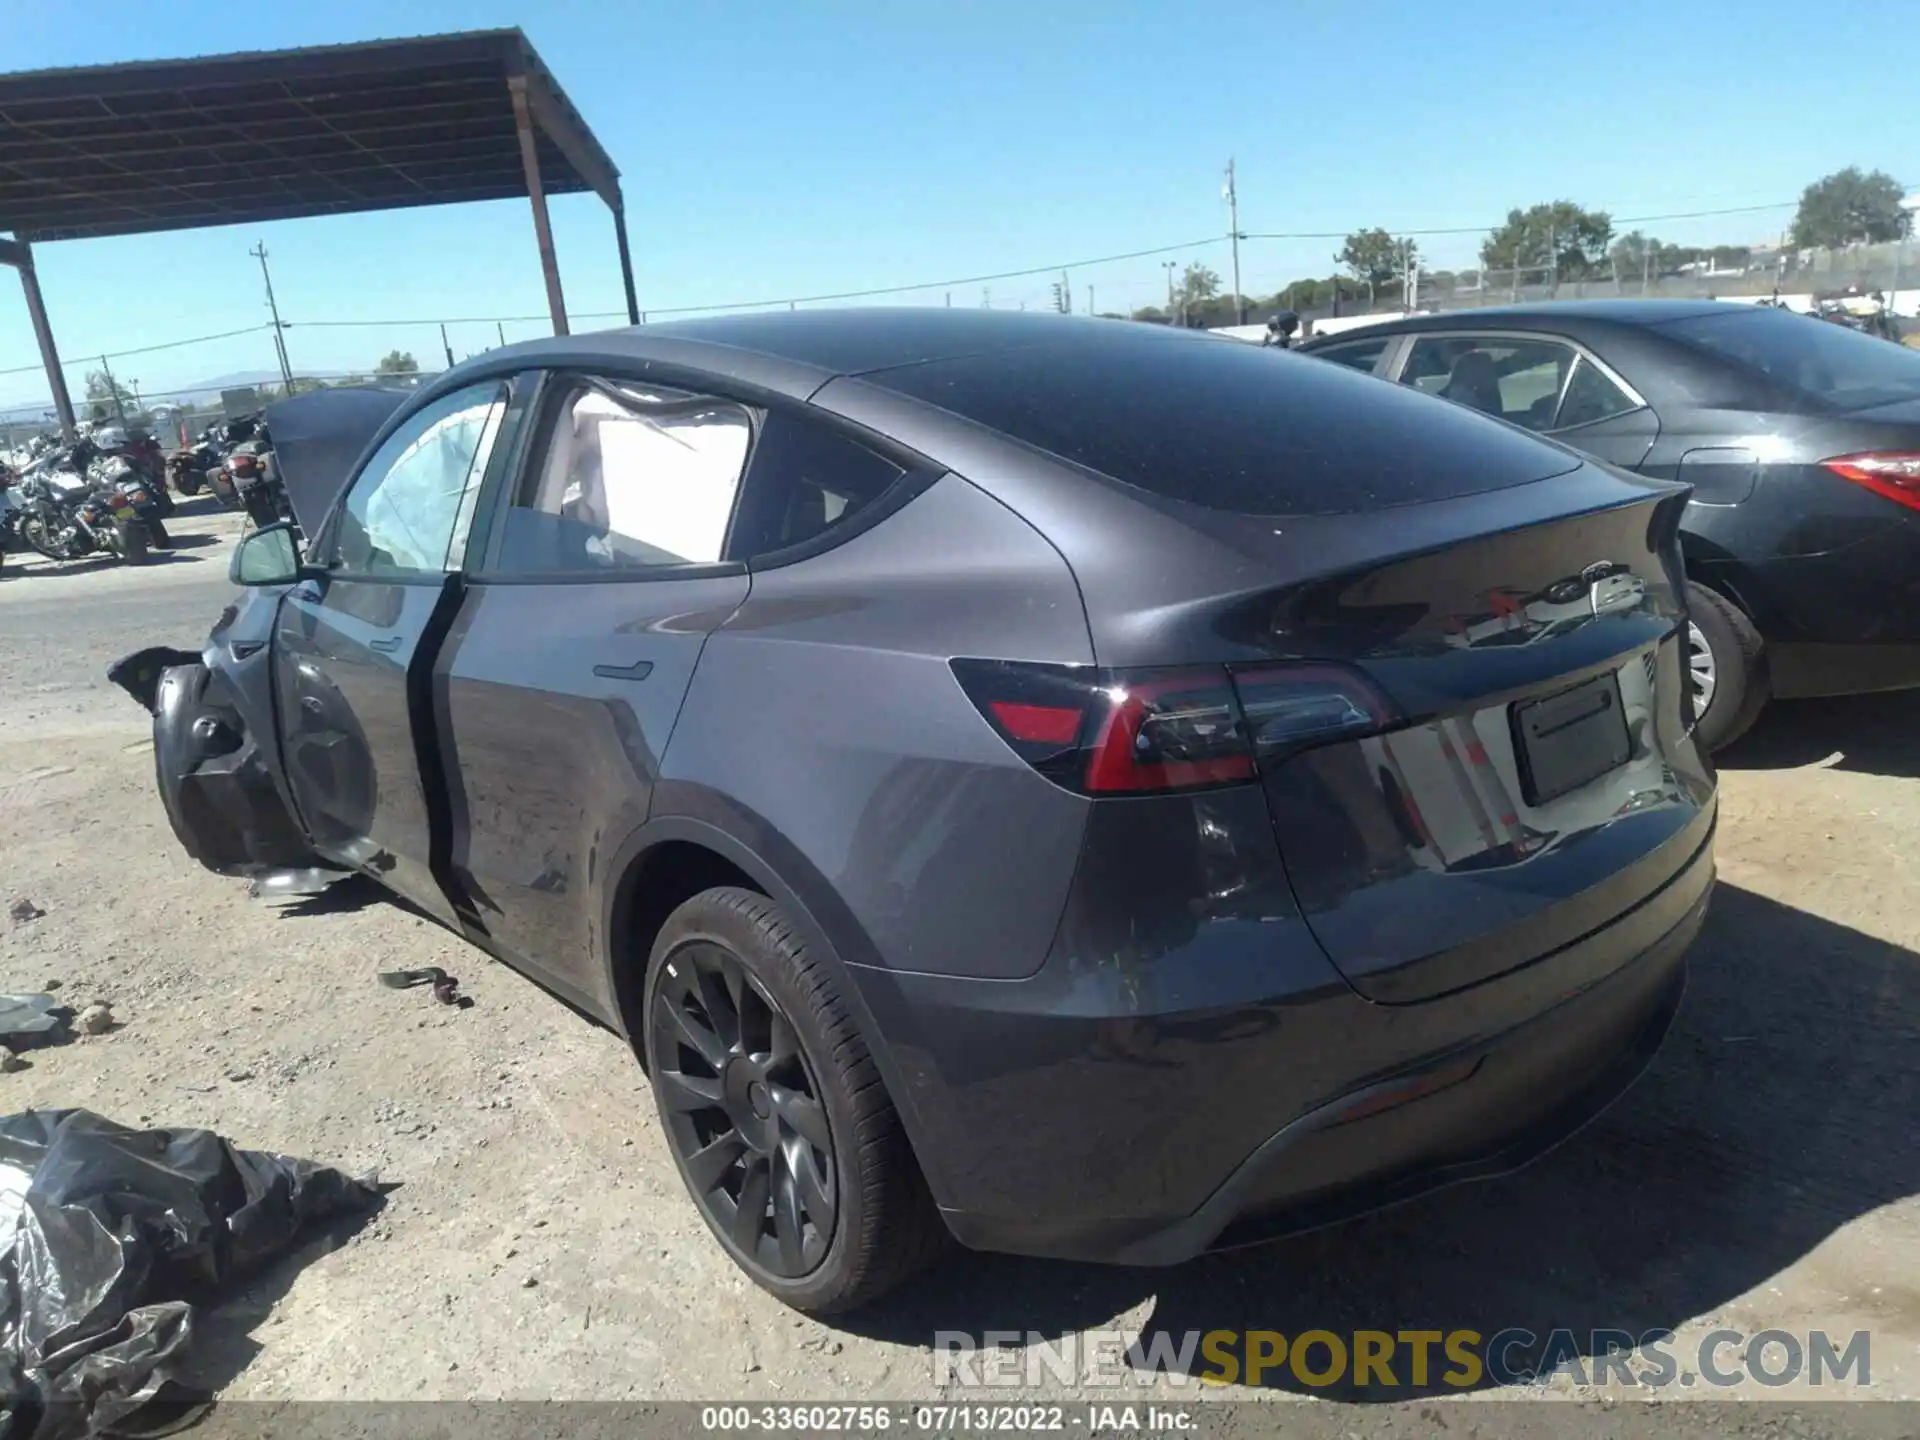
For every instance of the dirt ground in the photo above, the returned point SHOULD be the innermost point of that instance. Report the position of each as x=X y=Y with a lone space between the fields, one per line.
x=537 y=1244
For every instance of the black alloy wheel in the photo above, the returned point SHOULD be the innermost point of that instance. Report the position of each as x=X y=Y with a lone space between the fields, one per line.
x=743 y=1112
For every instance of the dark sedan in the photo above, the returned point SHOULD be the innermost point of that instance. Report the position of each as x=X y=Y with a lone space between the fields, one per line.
x=1087 y=789
x=1801 y=440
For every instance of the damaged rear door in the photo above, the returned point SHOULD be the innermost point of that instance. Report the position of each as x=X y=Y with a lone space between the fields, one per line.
x=353 y=710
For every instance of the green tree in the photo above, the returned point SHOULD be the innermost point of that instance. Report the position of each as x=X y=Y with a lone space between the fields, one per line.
x=1197 y=286
x=1373 y=257
x=102 y=393
x=1848 y=207
x=1633 y=254
x=1197 y=283
x=397 y=362
x=1558 y=237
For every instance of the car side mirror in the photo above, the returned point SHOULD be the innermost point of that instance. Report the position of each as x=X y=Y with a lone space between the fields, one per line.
x=269 y=556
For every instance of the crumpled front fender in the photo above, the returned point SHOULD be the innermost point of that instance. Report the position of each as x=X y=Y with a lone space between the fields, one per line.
x=218 y=791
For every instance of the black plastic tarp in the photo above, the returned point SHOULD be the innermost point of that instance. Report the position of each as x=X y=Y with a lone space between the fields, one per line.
x=318 y=436
x=112 y=1237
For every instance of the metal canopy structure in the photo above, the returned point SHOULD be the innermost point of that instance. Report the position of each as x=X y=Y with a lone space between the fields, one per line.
x=285 y=134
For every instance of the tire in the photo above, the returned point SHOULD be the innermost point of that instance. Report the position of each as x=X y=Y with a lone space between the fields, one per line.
x=157 y=533
x=132 y=535
x=1737 y=657
x=883 y=1225
x=188 y=483
x=34 y=531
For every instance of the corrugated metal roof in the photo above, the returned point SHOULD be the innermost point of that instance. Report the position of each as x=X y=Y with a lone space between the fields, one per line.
x=226 y=139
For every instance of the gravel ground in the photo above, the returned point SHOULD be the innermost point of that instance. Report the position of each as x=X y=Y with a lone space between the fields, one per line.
x=537 y=1244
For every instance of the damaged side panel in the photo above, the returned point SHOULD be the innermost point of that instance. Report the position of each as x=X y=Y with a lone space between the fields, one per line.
x=222 y=789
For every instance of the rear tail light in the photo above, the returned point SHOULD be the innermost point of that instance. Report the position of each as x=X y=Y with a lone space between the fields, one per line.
x=1894 y=474
x=1109 y=732
x=1169 y=730
x=1294 y=707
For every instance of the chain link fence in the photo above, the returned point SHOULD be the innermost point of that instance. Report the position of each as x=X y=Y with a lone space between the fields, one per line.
x=1892 y=270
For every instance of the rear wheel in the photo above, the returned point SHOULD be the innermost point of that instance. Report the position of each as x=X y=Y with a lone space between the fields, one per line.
x=1726 y=667
x=775 y=1112
x=157 y=533
x=132 y=538
x=33 y=530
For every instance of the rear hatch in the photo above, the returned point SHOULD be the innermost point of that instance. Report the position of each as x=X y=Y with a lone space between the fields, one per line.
x=1454 y=646
x=1503 y=765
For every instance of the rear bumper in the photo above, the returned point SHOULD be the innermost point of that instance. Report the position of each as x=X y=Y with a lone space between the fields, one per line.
x=1485 y=1111
x=1143 y=1099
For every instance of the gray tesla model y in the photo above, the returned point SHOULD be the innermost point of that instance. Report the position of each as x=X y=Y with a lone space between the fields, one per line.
x=1081 y=788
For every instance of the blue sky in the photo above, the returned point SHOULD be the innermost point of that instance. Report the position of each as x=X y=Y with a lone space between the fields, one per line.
x=776 y=150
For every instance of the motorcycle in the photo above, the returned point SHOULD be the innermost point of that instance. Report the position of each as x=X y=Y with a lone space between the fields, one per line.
x=141 y=451
x=212 y=457
x=65 y=515
x=1866 y=313
x=114 y=473
x=256 y=479
x=187 y=469
x=1280 y=330
x=11 y=504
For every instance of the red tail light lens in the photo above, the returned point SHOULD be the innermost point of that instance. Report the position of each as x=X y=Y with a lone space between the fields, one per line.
x=1894 y=474
x=1106 y=732
x=1037 y=724
x=1169 y=731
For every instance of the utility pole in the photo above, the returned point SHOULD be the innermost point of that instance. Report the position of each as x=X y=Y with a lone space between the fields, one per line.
x=1167 y=265
x=113 y=390
x=1090 y=310
x=501 y=331
x=259 y=252
x=1066 y=294
x=949 y=299
x=1233 y=234
x=446 y=345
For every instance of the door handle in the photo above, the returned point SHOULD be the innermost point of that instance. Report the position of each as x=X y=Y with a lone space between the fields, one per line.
x=639 y=670
x=386 y=644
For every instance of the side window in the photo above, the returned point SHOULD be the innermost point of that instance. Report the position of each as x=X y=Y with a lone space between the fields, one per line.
x=627 y=477
x=1360 y=355
x=409 y=510
x=1517 y=380
x=1591 y=396
x=805 y=478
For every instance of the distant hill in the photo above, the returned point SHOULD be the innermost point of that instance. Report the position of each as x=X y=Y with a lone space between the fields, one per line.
x=199 y=393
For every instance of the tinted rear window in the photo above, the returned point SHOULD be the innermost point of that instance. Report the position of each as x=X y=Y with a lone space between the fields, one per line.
x=1228 y=425
x=1832 y=364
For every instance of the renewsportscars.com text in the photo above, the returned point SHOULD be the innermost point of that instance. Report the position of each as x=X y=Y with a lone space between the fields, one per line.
x=1402 y=1359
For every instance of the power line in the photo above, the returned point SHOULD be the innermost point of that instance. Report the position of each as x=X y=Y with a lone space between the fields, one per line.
x=803 y=299
x=145 y=349
x=874 y=292
x=880 y=290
